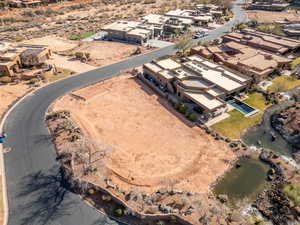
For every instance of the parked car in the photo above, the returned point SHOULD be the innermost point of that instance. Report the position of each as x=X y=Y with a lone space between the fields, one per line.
x=2 y=138
x=196 y=36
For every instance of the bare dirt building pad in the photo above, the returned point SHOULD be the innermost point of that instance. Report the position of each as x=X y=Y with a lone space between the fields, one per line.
x=150 y=144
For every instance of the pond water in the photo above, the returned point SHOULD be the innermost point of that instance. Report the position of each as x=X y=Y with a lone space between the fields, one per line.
x=264 y=136
x=243 y=182
x=261 y=135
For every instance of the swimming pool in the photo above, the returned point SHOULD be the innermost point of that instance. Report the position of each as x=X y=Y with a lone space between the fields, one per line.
x=241 y=106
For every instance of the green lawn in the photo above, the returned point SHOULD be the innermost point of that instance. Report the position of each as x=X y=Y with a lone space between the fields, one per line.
x=256 y=100
x=293 y=192
x=234 y=125
x=295 y=62
x=283 y=83
x=79 y=36
x=271 y=28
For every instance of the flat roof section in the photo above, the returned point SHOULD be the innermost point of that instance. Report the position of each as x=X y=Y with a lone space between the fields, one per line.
x=242 y=79
x=121 y=25
x=210 y=64
x=215 y=92
x=197 y=83
x=139 y=32
x=182 y=73
x=196 y=58
x=152 y=67
x=215 y=77
x=205 y=100
x=155 y=19
x=167 y=74
x=168 y=64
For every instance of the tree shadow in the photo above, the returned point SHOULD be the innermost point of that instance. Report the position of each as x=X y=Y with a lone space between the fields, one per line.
x=49 y=198
x=43 y=139
x=106 y=221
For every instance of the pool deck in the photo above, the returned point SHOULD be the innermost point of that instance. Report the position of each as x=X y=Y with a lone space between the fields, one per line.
x=217 y=119
x=255 y=111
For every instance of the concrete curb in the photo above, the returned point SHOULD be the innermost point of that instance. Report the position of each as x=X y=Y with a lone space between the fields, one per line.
x=4 y=190
x=4 y=187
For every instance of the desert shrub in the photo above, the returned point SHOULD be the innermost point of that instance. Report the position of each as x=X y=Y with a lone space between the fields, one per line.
x=5 y=79
x=106 y=198
x=19 y=38
x=33 y=81
x=151 y=210
x=177 y=105
x=91 y=191
x=160 y=222
x=39 y=12
x=77 y=6
x=118 y=212
x=29 y=13
x=87 y=55
x=192 y=117
x=183 y=108
x=59 y=114
x=75 y=137
x=257 y=221
x=79 y=55
x=293 y=192
x=149 y=1
x=173 y=219
x=49 y=12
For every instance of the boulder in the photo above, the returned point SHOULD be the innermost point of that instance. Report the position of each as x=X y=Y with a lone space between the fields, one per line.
x=235 y=217
x=223 y=198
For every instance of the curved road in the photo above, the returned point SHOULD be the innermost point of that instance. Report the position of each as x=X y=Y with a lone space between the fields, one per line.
x=36 y=194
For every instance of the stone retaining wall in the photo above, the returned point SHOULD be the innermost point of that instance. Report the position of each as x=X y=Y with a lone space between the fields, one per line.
x=76 y=186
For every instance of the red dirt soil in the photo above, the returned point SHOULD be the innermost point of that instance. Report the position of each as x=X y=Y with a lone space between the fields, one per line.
x=151 y=145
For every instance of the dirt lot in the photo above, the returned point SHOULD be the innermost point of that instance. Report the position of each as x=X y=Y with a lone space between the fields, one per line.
x=105 y=52
x=56 y=44
x=9 y=93
x=69 y=63
x=271 y=17
x=150 y=145
x=101 y=52
x=72 y=18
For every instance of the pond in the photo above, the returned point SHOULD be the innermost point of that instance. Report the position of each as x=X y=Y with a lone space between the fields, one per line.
x=243 y=182
x=262 y=135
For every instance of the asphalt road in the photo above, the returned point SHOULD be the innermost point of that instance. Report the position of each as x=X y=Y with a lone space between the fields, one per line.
x=36 y=195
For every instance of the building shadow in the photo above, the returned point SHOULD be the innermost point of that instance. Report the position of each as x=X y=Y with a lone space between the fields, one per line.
x=44 y=140
x=106 y=221
x=49 y=198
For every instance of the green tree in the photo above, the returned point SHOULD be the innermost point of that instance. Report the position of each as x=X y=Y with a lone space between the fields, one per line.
x=87 y=55
x=79 y=55
x=192 y=117
x=160 y=222
x=118 y=212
